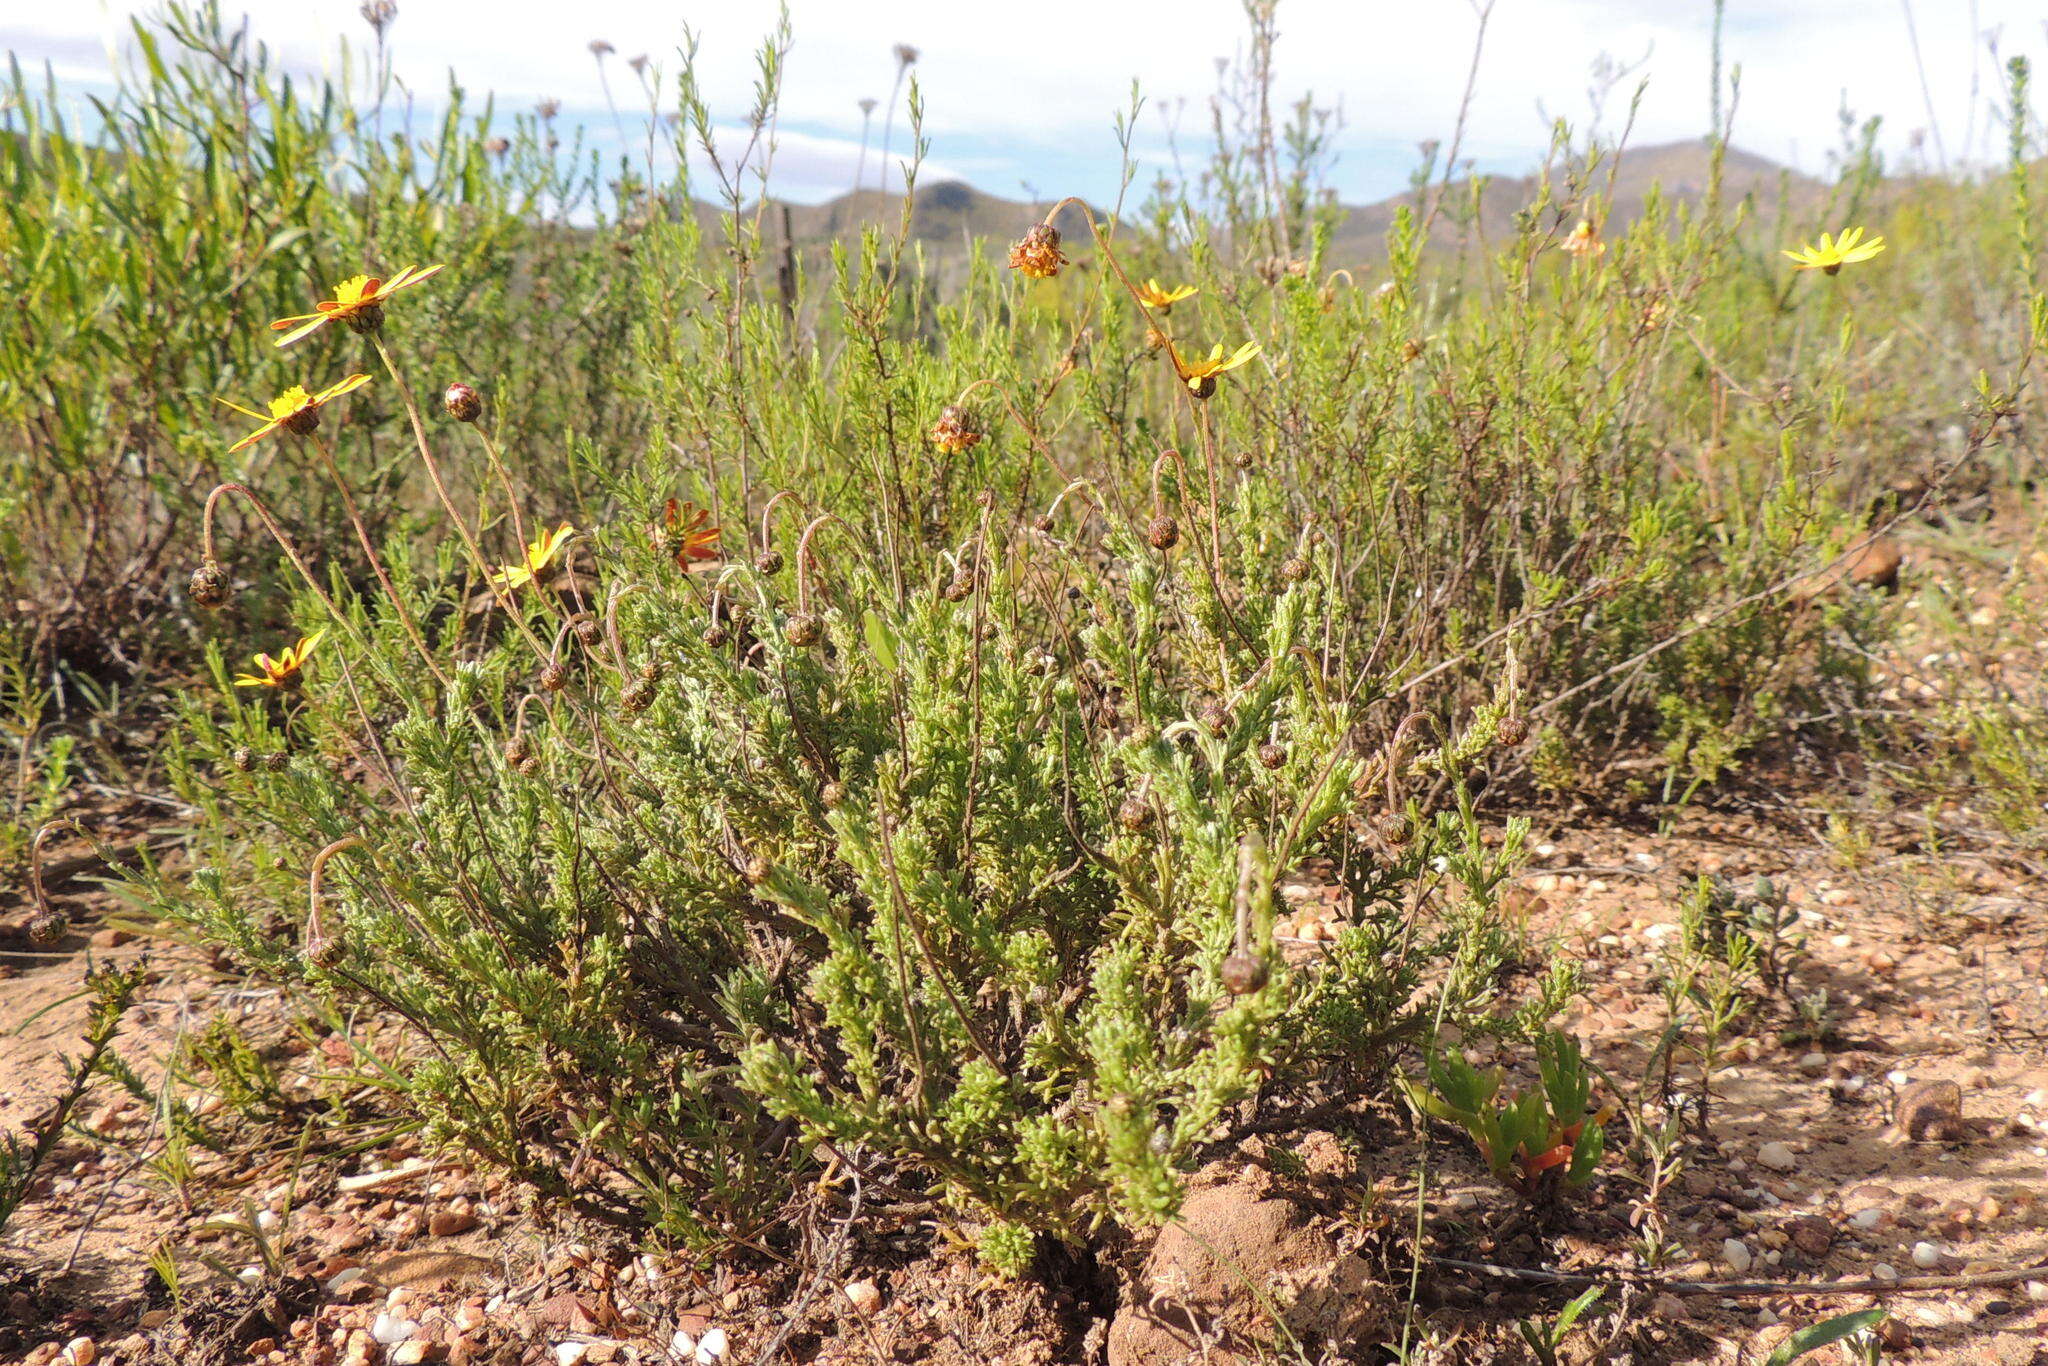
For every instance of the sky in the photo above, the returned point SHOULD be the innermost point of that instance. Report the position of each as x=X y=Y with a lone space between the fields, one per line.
x=1022 y=99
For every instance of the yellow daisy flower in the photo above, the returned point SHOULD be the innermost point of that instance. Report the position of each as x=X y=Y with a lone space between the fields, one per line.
x=1200 y=375
x=358 y=301
x=1831 y=255
x=1155 y=295
x=537 y=563
x=283 y=671
x=295 y=410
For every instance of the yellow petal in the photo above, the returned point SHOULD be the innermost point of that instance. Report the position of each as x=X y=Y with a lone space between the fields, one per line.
x=305 y=329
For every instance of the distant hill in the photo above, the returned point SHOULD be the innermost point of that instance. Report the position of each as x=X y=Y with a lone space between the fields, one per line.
x=947 y=217
x=1681 y=169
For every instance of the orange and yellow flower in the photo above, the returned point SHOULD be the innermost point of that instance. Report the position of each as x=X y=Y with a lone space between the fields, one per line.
x=1584 y=241
x=1200 y=375
x=684 y=533
x=1832 y=254
x=358 y=301
x=295 y=410
x=537 y=562
x=1155 y=295
x=284 y=670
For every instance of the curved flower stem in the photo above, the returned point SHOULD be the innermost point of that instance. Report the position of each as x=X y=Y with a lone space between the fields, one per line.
x=611 y=621
x=768 y=515
x=419 y=435
x=209 y=553
x=315 y=931
x=355 y=518
x=803 y=560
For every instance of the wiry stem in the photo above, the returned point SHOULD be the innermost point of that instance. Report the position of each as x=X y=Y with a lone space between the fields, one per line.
x=355 y=518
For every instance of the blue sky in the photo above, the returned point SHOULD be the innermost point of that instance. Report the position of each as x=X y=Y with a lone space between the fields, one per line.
x=1015 y=97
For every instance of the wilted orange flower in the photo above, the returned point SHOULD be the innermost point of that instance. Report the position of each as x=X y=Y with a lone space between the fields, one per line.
x=283 y=671
x=1200 y=375
x=1155 y=295
x=684 y=534
x=1037 y=254
x=956 y=430
x=537 y=562
x=358 y=301
x=1584 y=241
x=295 y=410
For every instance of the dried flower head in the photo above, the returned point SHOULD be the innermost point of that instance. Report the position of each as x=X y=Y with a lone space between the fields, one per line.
x=956 y=430
x=601 y=49
x=243 y=758
x=1294 y=569
x=378 y=14
x=294 y=410
x=1163 y=533
x=554 y=675
x=768 y=562
x=285 y=670
x=1037 y=253
x=637 y=696
x=358 y=301
x=906 y=55
x=463 y=402
x=1512 y=730
x=1134 y=814
x=1272 y=754
x=801 y=630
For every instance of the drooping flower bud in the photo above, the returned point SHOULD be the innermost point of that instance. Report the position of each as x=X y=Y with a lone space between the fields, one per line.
x=209 y=586
x=1163 y=533
x=463 y=402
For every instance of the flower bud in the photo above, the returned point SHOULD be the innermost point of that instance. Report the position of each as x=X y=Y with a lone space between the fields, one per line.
x=47 y=928
x=554 y=676
x=1135 y=814
x=1392 y=827
x=638 y=696
x=463 y=402
x=1272 y=754
x=1163 y=533
x=243 y=758
x=769 y=562
x=801 y=630
x=1294 y=569
x=209 y=586
x=715 y=635
x=1512 y=730
x=1244 y=973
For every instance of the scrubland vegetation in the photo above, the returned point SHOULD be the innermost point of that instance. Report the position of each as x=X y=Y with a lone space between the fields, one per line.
x=888 y=772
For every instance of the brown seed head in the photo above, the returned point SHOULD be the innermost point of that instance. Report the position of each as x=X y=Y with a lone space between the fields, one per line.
x=1512 y=731
x=801 y=630
x=243 y=758
x=832 y=794
x=587 y=630
x=757 y=870
x=769 y=562
x=1294 y=569
x=637 y=696
x=1392 y=827
x=1215 y=718
x=277 y=761
x=1163 y=533
x=715 y=635
x=1272 y=754
x=554 y=676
